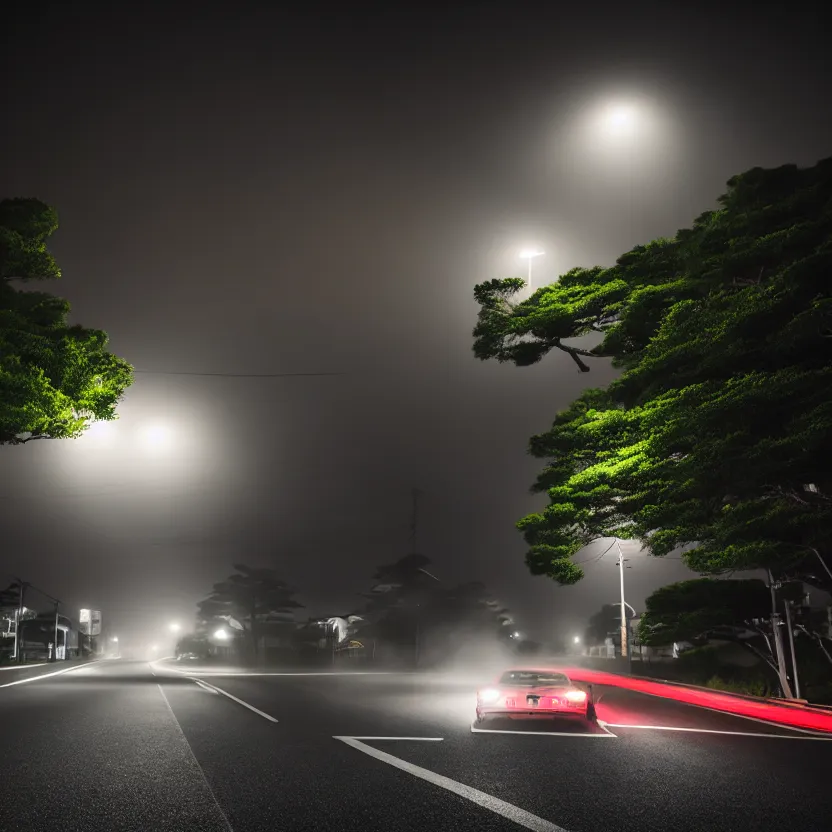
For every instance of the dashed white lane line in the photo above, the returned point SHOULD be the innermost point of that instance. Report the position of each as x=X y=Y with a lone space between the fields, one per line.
x=23 y=666
x=47 y=675
x=235 y=699
x=507 y=810
x=726 y=733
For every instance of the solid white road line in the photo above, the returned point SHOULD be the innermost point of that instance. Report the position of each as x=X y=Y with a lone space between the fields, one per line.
x=234 y=698
x=419 y=739
x=267 y=673
x=206 y=687
x=605 y=735
x=727 y=733
x=23 y=666
x=508 y=810
x=47 y=675
x=196 y=762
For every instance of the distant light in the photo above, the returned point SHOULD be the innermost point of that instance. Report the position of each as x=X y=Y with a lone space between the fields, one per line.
x=154 y=646
x=157 y=437
x=517 y=635
x=530 y=253
x=621 y=118
x=175 y=628
x=115 y=638
x=577 y=639
x=221 y=634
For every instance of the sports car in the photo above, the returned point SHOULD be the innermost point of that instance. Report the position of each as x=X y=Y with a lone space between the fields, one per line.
x=524 y=693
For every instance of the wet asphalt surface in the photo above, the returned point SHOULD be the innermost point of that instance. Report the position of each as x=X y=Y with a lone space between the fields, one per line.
x=120 y=745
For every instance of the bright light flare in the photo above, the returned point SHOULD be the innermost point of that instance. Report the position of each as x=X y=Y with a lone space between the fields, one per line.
x=576 y=695
x=577 y=640
x=489 y=695
x=174 y=627
x=221 y=634
x=157 y=437
x=531 y=253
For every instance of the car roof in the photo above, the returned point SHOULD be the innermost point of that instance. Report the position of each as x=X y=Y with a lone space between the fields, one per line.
x=548 y=671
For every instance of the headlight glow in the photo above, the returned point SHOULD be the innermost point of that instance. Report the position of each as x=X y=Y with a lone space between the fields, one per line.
x=489 y=695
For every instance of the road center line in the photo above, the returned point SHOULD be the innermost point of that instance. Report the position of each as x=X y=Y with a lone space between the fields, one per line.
x=206 y=687
x=727 y=733
x=234 y=698
x=507 y=810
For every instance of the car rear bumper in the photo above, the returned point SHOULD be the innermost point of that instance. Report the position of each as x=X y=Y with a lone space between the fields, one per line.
x=524 y=713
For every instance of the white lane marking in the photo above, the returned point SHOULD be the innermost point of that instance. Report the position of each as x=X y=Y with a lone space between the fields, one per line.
x=419 y=739
x=603 y=736
x=205 y=687
x=23 y=666
x=47 y=675
x=234 y=698
x=508 y=810
x=714 y=731
x=603 y=726
x=266 y=673
x=196 y=762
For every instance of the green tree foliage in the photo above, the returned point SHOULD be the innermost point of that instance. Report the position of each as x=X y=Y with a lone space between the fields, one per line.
x=55 y=378
x=716 y=435
x=255 y=599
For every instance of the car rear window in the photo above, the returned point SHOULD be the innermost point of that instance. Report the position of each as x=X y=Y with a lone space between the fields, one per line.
x=532 y=677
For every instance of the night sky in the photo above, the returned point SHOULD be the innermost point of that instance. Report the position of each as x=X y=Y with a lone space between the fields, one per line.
x=254 y=191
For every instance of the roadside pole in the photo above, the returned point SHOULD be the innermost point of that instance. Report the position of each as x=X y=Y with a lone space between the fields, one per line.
x=778 y=640
x=18 y=615
x=788 y=605
x=625 y=628
x=55 y=640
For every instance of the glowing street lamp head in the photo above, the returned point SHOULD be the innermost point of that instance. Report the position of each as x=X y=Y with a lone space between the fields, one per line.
x=221 y=634
x=531 y=253
x=175 y=628
x=577 y=639
x=156 y=437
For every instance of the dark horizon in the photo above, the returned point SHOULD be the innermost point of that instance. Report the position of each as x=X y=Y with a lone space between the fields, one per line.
x=251 y=192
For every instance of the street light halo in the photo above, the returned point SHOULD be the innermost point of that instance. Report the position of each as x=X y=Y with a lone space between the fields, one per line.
x=530 y=253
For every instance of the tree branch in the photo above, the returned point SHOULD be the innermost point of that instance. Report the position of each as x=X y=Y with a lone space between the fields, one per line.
x=575 y=353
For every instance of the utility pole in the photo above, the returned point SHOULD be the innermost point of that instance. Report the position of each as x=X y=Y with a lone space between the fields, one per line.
x=21 y=586
x=414 y=518
x=55 y=640
x=625 y=646
x=788 y=605
x=782 y=672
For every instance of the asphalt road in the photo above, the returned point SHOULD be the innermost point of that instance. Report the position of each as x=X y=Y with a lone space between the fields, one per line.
x=128 y=746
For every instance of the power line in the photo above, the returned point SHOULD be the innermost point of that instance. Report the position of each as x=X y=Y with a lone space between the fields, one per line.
x=233 y=375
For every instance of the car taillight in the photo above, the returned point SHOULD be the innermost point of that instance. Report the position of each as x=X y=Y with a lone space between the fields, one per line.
x=576 y=697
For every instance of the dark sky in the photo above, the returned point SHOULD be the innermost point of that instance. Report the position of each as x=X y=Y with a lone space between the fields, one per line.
x=245 y=190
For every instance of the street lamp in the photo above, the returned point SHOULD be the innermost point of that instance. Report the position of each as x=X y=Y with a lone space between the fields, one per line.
x=530 y=254
x=174 y=627
x=576 y=640
x=114 y=639
x=221 y=634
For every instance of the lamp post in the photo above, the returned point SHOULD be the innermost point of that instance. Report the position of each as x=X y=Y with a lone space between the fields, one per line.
x=625 y=629
x=530 y=254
